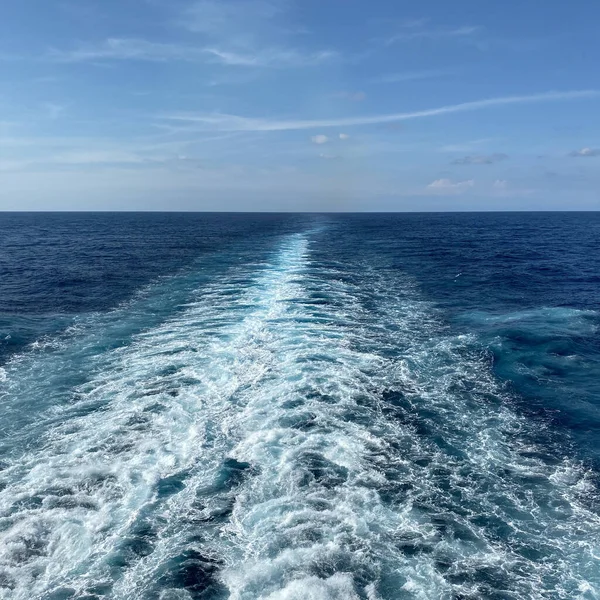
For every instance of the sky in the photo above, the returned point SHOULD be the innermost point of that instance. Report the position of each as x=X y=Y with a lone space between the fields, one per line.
x=299 y=105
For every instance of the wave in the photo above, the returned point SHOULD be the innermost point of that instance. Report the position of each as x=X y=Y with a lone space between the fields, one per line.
x=301 y=428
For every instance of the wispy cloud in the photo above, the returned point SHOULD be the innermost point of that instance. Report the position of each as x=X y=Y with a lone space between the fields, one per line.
x=585 y=152
x=79 y=158
x=273 y=57
x=128 y=49
x=501 y=188
x=248 y=33
x=74 y=152
x=226 y=122
x=144 y=50
x=239 y=33
x=447 y=186
x=480 y=159
x=319 y=139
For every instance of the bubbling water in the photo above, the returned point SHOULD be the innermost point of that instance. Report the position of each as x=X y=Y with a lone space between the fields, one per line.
x=301 y=429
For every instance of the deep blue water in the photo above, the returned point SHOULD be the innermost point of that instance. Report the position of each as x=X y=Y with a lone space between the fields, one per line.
x=300 y=406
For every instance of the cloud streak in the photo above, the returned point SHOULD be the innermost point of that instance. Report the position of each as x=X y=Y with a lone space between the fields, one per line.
x=238 y=33
x=447 y=186
x=225 y=122
x=585 y=152
x=319 y=139
x=272 y=57
x=128 y=49
x=120 y=49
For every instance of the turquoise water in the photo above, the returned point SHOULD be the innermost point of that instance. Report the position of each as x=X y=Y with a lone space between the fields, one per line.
x=299 y=406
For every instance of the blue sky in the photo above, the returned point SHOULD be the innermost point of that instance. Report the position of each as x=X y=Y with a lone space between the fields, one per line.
x=299 y=105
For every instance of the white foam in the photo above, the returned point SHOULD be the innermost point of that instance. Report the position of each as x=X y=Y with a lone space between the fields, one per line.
x=289 y=526
x=337 y=587
x=105 y=465
x=382 y=455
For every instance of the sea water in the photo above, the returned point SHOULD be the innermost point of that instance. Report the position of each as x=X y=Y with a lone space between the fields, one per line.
x=295 y=407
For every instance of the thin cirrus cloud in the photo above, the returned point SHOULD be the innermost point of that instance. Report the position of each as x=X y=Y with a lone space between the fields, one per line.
x=120 y=49
x=583 y=152
x=449 y=186
x=127 y=49
x=226 y=122
x=248 y=33
x=272 y=57
x=323 y=139
x=480 y=159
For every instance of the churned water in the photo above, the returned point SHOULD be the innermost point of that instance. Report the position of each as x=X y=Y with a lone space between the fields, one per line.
x=297 y=407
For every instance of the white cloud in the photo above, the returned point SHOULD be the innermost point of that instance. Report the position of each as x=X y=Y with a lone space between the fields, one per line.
x=344 y=136
x=319 y=139
x=586 y=152
x=248 y=33
x=328 y=156
x=272 y=57
x=447 y=186
x=225 y=122
x=501 y=188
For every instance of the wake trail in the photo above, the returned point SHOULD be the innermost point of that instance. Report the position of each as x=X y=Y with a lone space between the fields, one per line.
x=302 y=428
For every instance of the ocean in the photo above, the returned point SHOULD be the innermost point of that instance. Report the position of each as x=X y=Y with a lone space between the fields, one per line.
x=299 y=407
